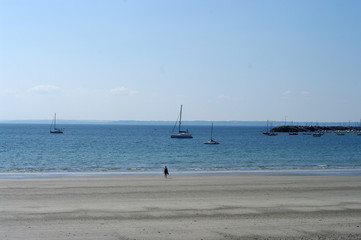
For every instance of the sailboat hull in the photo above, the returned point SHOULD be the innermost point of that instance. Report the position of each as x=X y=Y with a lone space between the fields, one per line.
x=56 y=131
x=181 y=135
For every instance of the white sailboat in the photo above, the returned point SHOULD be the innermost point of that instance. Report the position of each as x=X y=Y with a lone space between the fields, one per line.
x=181 y=133
x=53 y=128
x=268 y=131
x=211 y=141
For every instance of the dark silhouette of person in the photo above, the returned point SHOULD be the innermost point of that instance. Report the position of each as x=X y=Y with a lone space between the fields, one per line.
x=166 y=173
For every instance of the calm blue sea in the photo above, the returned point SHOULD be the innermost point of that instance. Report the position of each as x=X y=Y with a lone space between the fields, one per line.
x=28 y=148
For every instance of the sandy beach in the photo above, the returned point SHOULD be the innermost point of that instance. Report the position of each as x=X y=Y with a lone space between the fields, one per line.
x=234 y=206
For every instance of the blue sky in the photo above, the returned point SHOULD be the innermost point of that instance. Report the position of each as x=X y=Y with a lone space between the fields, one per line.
x=139 y=60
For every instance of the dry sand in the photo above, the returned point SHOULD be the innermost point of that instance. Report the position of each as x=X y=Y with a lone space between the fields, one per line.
x=182 y=207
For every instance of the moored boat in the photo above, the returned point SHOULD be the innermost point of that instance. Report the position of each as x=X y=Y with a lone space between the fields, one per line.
x=53 y=128
x=268 y=132
x=317 y=134
x=211 y=141
x=181 y=133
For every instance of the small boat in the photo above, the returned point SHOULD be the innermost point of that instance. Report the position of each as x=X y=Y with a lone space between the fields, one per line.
x=181 y=133
x=53 y=128
x=293 y=133
x=340 y=133
x=211 y=141
x=317 y=134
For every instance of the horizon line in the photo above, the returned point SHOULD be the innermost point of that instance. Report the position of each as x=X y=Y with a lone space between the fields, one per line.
x=167 y=122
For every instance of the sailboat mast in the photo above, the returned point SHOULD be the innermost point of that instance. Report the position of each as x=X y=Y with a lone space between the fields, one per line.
x=180 y=118
x=267 y=125
x=54 y=120
x=212 y=131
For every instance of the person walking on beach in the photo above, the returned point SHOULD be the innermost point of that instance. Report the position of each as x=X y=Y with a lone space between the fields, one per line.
x=166 y=173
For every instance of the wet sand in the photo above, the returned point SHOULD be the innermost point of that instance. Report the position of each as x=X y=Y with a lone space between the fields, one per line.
x=233 y=206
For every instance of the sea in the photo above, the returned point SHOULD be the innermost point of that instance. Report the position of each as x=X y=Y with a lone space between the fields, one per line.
x=103 y=149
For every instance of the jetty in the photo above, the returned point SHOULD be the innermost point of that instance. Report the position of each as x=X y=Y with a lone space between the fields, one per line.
x=325 y=129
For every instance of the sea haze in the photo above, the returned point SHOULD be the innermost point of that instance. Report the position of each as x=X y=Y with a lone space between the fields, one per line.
x=108 y=148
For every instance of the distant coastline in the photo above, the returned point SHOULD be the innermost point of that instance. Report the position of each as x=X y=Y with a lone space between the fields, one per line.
x=278 y=124
x=136 y=122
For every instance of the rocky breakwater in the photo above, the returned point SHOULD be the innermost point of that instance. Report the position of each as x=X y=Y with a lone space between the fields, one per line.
x=315 y=129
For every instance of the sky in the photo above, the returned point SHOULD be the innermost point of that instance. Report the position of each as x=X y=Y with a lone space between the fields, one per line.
x=224 y=60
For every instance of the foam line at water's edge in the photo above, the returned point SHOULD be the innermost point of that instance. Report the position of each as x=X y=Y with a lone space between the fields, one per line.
x=318 y=172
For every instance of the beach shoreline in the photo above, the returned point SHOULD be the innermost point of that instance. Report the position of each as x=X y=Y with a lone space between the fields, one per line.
x=205 y=206
x=305 y=172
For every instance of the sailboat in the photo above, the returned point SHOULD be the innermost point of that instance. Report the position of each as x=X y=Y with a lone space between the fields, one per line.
x=53 y=128
x=211 y=141
x=268 y=132
x=181 y=133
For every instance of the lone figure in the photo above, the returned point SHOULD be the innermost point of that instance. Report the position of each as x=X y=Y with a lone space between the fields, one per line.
x=166 y=173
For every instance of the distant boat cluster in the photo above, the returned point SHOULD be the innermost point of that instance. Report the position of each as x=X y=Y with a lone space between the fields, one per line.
x=268 y=132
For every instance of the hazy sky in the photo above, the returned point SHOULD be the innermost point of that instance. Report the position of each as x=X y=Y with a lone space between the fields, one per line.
x=139 y=60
